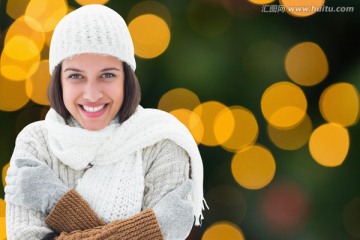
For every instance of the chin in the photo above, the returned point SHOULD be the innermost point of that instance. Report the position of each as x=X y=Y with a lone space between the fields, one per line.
x=94 y=127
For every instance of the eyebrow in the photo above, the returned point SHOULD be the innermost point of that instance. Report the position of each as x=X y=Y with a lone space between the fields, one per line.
x=103 y=70
x=110 y=69
x=73 y=69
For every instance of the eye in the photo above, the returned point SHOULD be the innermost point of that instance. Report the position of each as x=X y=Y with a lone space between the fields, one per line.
x=108 y=75
x=75 y=76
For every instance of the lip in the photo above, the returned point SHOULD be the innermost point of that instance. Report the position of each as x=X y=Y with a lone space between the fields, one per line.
x=95 y=114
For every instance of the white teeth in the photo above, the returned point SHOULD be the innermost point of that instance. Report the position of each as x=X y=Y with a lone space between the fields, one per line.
x=95 y=109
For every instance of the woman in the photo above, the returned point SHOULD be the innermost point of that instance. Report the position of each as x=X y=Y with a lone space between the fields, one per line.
x=100 y=166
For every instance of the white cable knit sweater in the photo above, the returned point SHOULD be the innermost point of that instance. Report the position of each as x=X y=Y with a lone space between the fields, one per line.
x=164 y=166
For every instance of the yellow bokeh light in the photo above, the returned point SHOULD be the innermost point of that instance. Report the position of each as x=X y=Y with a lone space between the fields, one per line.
x=301 y=8
x=208 y=112
x=12 y=95
x=339 y=103
x=3 y=228
x=236 y=128
x=178 y=98
x=21 y=28
x=43 y=15
x=2 y=219
x=86 y=2
x=48 y=37
x=2 y=208
x=37 y=85
x=150 y=7
x=192 y=121
x=329 y=144
x=261 y=2
x=291 y=139
x=150 y=34
x=16 y=8
x=3 y=174
x=254 y=167
x=223 y=230
x=351 y=217
x=21 y=48
x=284 y=105
x=18 y=70
x=224 y=125
x=306 y=64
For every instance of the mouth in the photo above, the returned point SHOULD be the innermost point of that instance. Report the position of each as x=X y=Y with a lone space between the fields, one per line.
x=93 y=112
x=94 y=109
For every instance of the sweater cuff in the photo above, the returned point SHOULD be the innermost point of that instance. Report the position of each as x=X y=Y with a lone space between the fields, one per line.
x=72 y=213
x=142 y=226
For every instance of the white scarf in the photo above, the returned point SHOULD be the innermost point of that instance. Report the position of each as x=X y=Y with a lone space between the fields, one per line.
x=78 y=147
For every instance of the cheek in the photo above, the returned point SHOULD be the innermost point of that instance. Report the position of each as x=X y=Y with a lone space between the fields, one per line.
x=70 y=93
x=116 y=92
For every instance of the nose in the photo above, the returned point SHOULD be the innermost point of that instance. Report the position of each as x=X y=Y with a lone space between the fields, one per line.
x=93 y=91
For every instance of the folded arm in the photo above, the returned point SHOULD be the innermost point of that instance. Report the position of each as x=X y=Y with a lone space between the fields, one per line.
x=72 y=215
x=167 y=170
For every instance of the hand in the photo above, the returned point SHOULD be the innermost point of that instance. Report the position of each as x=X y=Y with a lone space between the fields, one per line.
x=33 y=185
x=174 y=213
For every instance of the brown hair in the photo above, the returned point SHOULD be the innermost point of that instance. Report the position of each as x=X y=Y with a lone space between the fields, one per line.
x=132 y=94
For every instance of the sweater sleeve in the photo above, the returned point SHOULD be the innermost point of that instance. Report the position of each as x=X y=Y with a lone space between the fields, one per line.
x=166 y=166
x=142 y=226
x=22 y=223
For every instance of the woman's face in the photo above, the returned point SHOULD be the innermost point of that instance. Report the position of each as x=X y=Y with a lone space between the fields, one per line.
x=93 y=89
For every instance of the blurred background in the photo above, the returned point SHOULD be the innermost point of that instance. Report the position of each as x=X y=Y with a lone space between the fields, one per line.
x=269 y=90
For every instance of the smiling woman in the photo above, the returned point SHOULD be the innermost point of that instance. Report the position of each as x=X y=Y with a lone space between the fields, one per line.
x=100 y=166
x=93 y=89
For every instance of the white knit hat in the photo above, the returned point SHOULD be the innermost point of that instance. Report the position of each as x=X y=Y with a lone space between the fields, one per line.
x=92 y=28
